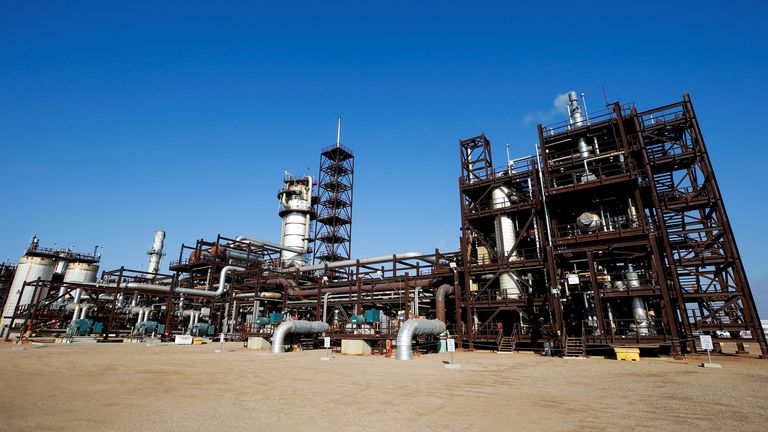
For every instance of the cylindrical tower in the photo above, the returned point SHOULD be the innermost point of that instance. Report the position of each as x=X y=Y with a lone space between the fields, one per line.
x=30 y=268
x=297 y=213
x=505 y=241
x=156 y=253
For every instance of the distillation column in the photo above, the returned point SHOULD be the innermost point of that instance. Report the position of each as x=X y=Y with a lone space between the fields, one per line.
x=297 y=213
x=505 y=241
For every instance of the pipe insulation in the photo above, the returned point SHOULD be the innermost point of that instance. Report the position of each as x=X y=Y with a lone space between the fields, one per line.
x=506 y=237
x=412 y=328
x=295 y=327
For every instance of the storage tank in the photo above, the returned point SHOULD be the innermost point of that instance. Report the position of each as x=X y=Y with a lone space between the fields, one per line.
x=30 y=268
x=81 y=272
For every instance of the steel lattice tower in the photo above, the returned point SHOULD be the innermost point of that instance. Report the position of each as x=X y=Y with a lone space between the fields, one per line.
x=333 y=228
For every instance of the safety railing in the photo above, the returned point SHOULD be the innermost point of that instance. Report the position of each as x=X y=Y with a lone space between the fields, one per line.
x=625 y=331
x=604 y=227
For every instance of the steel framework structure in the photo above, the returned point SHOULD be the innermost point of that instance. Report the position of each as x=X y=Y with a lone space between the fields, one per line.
x=620 y=238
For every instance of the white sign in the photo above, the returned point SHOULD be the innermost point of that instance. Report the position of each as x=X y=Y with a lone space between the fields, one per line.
x=706 y=342
x=451 y=345
x=326 y=342
x=573 y=279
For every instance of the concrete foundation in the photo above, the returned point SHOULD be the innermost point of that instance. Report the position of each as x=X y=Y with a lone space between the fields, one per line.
x=258 y=344
x=355 y=347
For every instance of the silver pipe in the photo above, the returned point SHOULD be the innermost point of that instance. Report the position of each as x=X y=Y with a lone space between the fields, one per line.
x=415 y=327
x=295 y=327
x=258 y=242
x=325 y=306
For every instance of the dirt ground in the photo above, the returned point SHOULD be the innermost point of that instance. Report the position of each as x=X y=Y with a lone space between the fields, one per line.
x=122 y=387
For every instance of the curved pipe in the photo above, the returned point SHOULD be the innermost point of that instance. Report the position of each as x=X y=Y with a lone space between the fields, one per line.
x=440 y=294
x=415 y=327
x=139 y=286
x=296 y=327
x=258 y=242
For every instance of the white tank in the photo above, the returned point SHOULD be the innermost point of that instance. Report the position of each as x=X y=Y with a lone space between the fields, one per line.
x=81 y=272
x=505 y=240
x=30 y=268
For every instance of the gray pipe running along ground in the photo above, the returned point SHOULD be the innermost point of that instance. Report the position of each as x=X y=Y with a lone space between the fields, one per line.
x=415 y=327
x=295 y=327
x=440 y=294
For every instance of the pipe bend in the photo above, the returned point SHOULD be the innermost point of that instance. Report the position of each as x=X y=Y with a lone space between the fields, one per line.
x=295 y=327
x=415 y=327
x=440 y=294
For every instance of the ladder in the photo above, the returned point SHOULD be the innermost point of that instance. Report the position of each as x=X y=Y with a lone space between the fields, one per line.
x=574 y=347
x=506 y=344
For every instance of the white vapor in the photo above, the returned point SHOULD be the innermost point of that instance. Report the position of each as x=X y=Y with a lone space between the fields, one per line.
x=559 y=105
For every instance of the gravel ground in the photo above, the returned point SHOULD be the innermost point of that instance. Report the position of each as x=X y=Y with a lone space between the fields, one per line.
x=128 y=387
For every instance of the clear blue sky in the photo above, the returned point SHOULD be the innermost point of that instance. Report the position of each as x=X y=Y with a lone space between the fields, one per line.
x=119 y=118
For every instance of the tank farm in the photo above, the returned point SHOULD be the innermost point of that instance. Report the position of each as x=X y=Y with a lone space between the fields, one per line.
x=613 y=233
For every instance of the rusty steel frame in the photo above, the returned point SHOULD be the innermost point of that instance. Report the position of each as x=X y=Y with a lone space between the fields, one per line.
x=681 y=236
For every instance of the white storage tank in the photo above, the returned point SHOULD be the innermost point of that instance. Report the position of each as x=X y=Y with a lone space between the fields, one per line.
x=30 y=268
x=81 y=272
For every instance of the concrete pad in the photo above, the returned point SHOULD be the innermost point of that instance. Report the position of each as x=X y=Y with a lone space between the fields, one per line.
x=258 y=344
x=355 y=347
x=706 y=365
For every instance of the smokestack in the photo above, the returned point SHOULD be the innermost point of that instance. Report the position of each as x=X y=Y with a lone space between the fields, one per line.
x=156 y=253
x=574 y=110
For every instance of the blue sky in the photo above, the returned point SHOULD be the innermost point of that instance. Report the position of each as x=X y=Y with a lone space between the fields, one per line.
x=119 y=118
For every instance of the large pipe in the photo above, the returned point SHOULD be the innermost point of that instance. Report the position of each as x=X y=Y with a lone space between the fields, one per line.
x=640 y=313
x=325 y=306
x=295 y=327
x=415 y=327
x=259 y=242
x=440 y=294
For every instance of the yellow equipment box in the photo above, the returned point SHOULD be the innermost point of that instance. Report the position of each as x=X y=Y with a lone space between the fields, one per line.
x=627 y=354
x=198 y=341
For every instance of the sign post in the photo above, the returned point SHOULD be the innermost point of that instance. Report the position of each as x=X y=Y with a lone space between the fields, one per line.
x=327 y=346
x=706 y=344
x=451 y=344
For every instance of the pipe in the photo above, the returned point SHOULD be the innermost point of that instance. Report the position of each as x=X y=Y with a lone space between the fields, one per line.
x=84 y=310
x=415 y=327
x=640 y=313
x=295 y=327
x=290 y=286
x=325 y=306
x=369 y=260
x=258 y=242
x=440 y=294
x=415 y=308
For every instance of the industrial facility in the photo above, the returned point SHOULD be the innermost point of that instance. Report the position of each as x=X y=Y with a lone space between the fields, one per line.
x=612 y=234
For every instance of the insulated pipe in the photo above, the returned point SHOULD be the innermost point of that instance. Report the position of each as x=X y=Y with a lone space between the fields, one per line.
x=84 y=310
x=138 y=286
x=296 y=327
x=440 y=294
x=325 y=306
x=415 y=327
x=258 y=242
